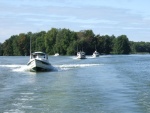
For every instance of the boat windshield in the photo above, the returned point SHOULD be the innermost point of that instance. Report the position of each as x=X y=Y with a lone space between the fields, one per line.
x=39 y=55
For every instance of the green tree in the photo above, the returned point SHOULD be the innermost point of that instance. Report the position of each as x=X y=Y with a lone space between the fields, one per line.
x=122 y=45
x=63 y=40
x=7 y=47
x=1 y=49
x=22 y=44
x=107 y=44
x=86 y=41
x=66 y=42
x=50 y=40
x=16 y=47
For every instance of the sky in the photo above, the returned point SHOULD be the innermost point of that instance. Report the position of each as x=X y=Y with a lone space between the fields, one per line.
x=103 y=17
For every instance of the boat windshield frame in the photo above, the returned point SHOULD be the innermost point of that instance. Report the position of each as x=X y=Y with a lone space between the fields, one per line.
x=39 y=55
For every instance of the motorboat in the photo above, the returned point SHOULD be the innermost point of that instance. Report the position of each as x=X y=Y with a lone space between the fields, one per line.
x=39 y=62
x=56 y=54
x=95 y=54
x=81 y=55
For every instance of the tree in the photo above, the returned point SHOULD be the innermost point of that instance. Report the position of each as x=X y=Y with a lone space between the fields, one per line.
x=1 y=49
x=66 y=42
x=86 y=41
x=50 y=40
x=107 y=44
x=121 y=45
x=7 y=47
x=16 y=47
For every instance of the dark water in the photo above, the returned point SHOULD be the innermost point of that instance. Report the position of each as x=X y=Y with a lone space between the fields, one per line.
x=108 y=84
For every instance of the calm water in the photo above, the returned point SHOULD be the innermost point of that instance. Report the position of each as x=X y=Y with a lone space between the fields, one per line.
x=108 y=84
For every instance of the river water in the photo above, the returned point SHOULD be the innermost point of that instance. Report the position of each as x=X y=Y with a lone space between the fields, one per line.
x=107 y=84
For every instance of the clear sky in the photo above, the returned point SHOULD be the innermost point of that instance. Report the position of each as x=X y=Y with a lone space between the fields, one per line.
x=111 y=17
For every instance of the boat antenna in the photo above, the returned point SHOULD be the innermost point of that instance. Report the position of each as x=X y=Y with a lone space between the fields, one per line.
x=95 y=48
x=30 y=46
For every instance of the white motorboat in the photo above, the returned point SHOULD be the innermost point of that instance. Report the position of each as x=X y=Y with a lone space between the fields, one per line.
x=39 y=62
x=81 y=55
x=95 y=54
x=56 y=54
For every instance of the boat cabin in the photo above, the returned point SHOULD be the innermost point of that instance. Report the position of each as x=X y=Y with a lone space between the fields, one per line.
x=39 y=55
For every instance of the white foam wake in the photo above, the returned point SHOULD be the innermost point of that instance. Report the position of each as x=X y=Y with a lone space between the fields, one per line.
x=77 y=65
x=22 y=68
x=16 y=68
x=10 y=66
x=70 y=66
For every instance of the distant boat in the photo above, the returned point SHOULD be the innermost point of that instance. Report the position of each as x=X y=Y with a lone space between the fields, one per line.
x=81 y=55
x=95 y=54
x=39 y=62
x=56 y=54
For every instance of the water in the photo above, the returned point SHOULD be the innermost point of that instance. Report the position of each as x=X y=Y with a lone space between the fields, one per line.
x=107 y=84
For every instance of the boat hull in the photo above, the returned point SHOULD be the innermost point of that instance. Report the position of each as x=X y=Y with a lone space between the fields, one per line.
x=81 y=55
x=56 y=54
x=36 y=65
x=95 y=55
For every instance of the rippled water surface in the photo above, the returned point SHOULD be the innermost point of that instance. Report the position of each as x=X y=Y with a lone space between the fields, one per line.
x=107 y=84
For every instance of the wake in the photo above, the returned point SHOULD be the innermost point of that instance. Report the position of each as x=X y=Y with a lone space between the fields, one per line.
x=63 y=67
x=72 y=66
x=17 y=68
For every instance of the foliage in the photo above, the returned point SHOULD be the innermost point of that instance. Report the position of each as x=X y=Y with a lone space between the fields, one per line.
x=67 y=42
x=1 y=51
x=121 y=45
x=140 y=47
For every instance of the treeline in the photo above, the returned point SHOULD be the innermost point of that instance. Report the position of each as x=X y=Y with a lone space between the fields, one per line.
x=67 y=42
